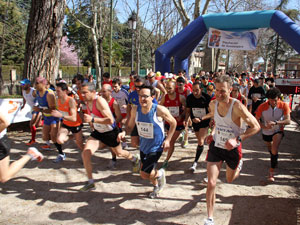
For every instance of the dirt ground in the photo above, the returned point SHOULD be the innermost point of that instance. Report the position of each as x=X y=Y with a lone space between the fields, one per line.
x=47 y=193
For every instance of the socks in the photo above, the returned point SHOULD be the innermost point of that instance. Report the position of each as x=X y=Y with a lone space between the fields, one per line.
x=33 y=133
x=59 y=148
x=274 y=160
x=114 y=158
x=198 y=152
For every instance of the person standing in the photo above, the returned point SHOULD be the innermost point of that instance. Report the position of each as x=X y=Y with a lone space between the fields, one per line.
x=225 y=141
x=273 y=115
x=148 y=117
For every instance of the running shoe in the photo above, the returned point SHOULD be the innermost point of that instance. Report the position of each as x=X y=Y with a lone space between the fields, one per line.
x=136 y=164
x=31 y=142
x=205 y=180
x=162 y=180
x=184 y=144
x=154 y=193
x=35 y=154
x=209 y=221
x=271 y=177
x=182 y=136
x=112 y=164
x=165 y=164
x=46 y=147
x=60 y=158
x=193 y=167
x=88 y=187
x=240 y=166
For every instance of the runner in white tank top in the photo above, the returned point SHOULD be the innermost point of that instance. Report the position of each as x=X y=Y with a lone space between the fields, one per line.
x=224 y=144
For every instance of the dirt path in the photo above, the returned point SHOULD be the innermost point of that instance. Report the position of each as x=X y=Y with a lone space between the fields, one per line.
x=47 y=193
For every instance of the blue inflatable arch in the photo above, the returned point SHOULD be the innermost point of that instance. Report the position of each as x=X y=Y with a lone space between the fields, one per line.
x=182 y=44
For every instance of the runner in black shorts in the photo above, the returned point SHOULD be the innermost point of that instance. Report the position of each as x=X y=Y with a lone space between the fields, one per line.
x=225 y=143
x=197 y=107
x=7 y=170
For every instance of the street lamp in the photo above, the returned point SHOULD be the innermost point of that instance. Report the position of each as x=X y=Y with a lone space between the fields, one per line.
x=132 y=25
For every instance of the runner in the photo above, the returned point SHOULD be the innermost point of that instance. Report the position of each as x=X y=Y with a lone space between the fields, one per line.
x=236 y=93
x=7 y=170
x=273 y=115
x=71 y=121
x=256 y=95
x=159 y=87
x=105 y=133
x=175 y=103
x=106 y=93
x=196 y=107
x=147 y=117
x=47 y=103
x=29 y=96
x=225 y=144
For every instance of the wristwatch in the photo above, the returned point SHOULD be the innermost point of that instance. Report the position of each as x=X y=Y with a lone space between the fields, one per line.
x=93 y=119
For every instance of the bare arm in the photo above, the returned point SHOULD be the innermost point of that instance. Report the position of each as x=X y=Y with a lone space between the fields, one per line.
x=131 y=120
x=117 y=112
x=166 y=115
x=3 y=122
x=103 y=107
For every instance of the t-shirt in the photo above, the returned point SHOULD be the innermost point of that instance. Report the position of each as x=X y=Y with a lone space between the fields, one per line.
x=198 y=106
x=122 y=99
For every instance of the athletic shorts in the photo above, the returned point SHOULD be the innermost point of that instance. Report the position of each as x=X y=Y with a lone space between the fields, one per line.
x=269 y=138
x=108 y=138
x=74 y=130
x=232 y=157
x=202 y=124
x=149 y=161
x=48 y=120
x=4 y=147
x=134 y=132
x=178 y=127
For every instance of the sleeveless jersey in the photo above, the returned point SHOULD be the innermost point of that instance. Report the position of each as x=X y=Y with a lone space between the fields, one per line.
x=150 y=130
x=225 y=127
x=175 y=108
x=43 y=103
x=64 y=108
x=30 y=100
x=238 y=98
x=184 y=93
x=101 y=128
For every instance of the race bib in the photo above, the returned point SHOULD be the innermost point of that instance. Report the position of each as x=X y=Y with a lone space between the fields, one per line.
x=145 y=130
x=257 y=95
x=102 y=128
x=199 y=112
x=222 y=135
x=174 y=110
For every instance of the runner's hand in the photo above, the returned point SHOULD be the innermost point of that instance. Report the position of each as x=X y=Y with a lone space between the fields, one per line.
x=56 y=113
x=196 y=120
x=121 y=136
x=231 y=144
x=166 y=145
x=209 y=139
x=87 y=118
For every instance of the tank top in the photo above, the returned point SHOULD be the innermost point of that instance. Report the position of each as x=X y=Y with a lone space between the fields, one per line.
x=64 y=108
x=43 y=103
x=150 y=130
x=175 y=108
x=184 y=93
x=101 y=128
x=225 y=127
x=30 y=100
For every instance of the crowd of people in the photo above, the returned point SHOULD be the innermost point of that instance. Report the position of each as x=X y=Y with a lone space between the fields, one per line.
x=155 y=111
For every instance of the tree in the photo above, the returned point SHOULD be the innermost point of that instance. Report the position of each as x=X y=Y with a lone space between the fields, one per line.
x=44 y=33
x=68 y=54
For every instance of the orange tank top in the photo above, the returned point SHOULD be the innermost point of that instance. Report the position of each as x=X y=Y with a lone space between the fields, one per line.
x=64 y=108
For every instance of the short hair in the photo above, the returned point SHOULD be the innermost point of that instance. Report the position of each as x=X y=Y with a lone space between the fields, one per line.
x=138 y=79
x=117 y=81
x=197 y=83
x=63 y=86
x=204 y=77
x=181 y=71
x=80 y=77
x=106 y=75
x=272 y=93
x=180 y=80
x=152 y=90
x=108 y=87
x=91 y=86
x=223 y=79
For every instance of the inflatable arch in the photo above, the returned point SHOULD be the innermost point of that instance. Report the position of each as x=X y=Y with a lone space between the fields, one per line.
x=182 y=44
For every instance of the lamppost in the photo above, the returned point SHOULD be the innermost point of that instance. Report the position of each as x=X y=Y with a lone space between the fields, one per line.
x=245 y=60
x=132 y=25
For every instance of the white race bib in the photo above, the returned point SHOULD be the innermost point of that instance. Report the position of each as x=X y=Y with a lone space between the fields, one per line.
x=257 y=95
x=222 y=135
x=199 y=112
x=174 y=110
x=145 y=130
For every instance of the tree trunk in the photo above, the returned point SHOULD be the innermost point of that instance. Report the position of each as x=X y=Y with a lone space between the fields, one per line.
x=217 y=59
x=44 y=33
x=101 y=55
x=97 y=64
x=153 y=59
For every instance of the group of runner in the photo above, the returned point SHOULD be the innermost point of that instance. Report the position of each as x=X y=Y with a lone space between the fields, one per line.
x=222 y=110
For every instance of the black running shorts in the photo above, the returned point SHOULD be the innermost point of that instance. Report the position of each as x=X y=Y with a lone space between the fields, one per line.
x=4 y=147
x=149 y=161
x=108 y=138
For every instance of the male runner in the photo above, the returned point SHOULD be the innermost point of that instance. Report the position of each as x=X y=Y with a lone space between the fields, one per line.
x=175 y=103
x=148 y=117
x=196 y=107
x=71 y=121
x=105 y=133
x=159 y=87
x=225 y=144
x=273 y=115
x=121 y=96
x=29 y=96
x=7 y=170
x=47 y=103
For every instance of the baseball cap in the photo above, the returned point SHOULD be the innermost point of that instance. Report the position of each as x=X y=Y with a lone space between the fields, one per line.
x=25 y=81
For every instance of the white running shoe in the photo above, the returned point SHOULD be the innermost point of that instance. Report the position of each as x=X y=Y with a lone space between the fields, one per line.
x=35 y=154
x=161 y=180
x=209 y=221
x=194 y=167
x=154 y=193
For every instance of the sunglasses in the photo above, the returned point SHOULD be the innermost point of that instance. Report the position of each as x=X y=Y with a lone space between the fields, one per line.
x=150 y=77
x=139 y=87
